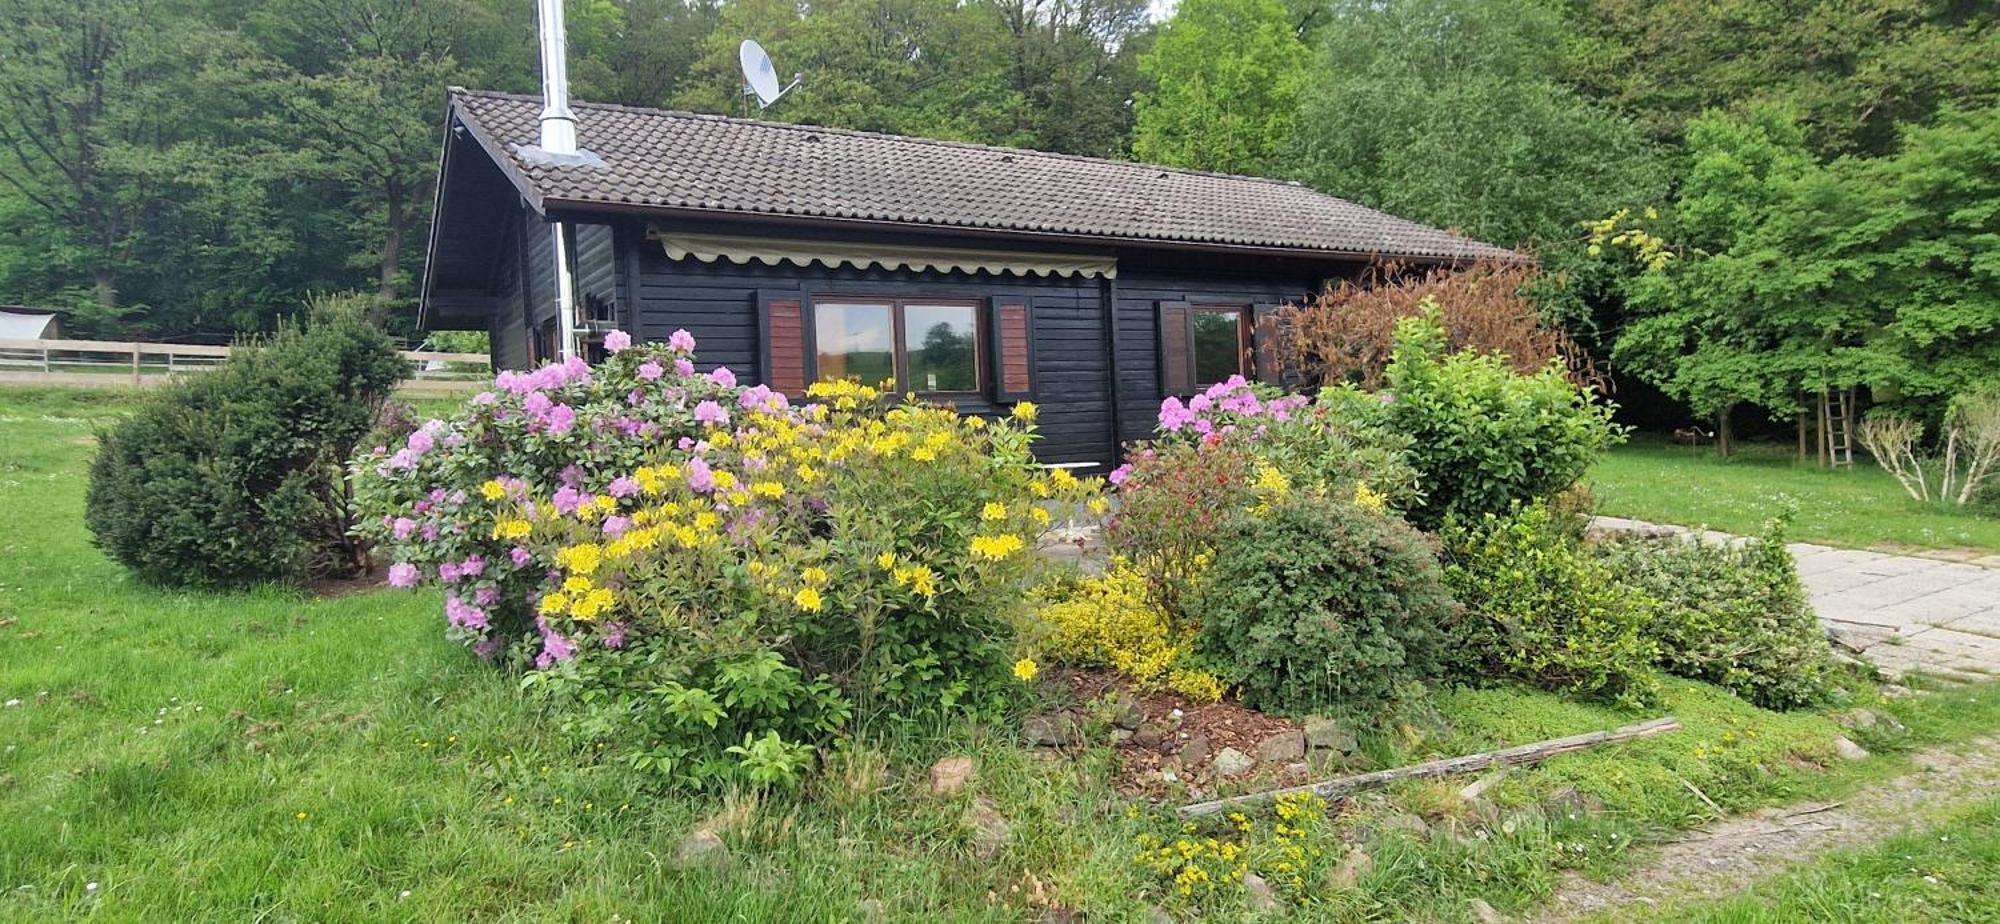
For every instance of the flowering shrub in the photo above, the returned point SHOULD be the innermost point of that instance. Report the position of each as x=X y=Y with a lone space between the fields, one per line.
x=1321 y=605
x=1205 y=864
x=1111 y=621
x=711 y=580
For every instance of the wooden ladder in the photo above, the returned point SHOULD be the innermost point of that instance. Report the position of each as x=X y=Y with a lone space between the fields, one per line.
x=1836 y=415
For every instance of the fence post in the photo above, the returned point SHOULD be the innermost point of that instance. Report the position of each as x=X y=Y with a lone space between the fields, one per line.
x=135 y=364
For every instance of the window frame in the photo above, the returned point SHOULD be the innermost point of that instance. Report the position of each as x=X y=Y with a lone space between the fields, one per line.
x=898 y=346
x=1245 y=340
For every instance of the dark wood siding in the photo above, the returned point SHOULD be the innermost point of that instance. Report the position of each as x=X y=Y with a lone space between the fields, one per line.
x=717 y=303
x=508 y=332
x=596 y=271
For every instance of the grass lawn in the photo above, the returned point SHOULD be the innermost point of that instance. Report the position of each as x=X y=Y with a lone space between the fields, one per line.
x=187 y=757
x=1950 y=872
x=1859 y=507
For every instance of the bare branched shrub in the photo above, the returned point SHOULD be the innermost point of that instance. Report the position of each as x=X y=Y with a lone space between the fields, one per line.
x=1969 y=455
x=1344 y=334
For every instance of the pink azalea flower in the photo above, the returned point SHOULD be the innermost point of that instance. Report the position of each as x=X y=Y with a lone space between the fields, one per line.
x=1119 y=474
x=617 y=341
x=723 y=377
x=403 y=574
x=650 y=371
x=520 y=556
x=537 y=404
x=561 y=418
x=681 y=341
x=683 y=367
x=699 y=478
x=709 y=412
x=623 y=486
x=616 y=526
x=403 y=527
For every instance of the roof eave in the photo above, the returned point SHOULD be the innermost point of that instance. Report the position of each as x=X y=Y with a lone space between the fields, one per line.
x=554 y=205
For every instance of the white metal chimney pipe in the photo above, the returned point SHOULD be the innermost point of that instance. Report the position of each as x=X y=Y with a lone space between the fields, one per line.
x=558 y=123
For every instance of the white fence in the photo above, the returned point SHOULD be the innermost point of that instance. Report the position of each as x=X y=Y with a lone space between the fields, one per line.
x=115 y=364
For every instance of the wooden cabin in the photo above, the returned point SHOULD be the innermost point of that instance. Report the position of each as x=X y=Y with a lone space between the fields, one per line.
x=975 y=275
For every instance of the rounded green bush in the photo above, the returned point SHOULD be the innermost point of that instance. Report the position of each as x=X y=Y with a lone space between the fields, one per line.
x=236 y=476
x=1317 y=605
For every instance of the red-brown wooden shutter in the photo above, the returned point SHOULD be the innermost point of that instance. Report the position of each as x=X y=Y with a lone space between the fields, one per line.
x=1264 y=344
x=782 y=321
x=1011 y=326
x=1176 y=349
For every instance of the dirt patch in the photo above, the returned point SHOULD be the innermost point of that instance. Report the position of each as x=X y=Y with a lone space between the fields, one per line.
x=334 y=587
x=1728 y=856
x=1173 y=728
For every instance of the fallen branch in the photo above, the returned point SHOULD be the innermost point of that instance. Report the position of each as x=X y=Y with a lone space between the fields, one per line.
x=1514 y=756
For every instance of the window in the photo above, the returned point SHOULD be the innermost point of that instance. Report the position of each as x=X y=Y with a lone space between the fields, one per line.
x=1221 y=343
x=923 y=346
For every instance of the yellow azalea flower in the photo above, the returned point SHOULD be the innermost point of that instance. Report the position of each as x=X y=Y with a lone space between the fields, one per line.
x=706 y=520
x=808 y=599
x=554 y=604
x=1039 y=488
x=1099 y=505
x=923 y=454
x=577 y=584
x=1025 y=412
x=1041 y=515
x=994 y=510
x=493 y=490
x=605 y=502
x=725 y=481
x=1369 y=499
x=1025 y=669
x=886 y=560
x=770 y=489
x=1062 y=478
x=512 y=529
x=582 y=559
x=976 y=422
x=814 y=576
x=996 y=547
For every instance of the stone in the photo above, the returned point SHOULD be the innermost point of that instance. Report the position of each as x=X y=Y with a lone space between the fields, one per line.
x=1049 y=731
x=1120 y=736
x=1258 y=894
x=1194 y=752
x=1347 y=874
x=1231 y=762
x=1158 y=915
x=1328 y=735
x=1402 y=821
x=1282 y=748
x=703 y=848
x=1297 y=770
x=950 y=775
x=1870 y=720
x=1897 y=691
x=990 y=829
x=1483 y=912
x=1847 y=749
x=1148 y=736
x=1126 y=713
x=1058 y=914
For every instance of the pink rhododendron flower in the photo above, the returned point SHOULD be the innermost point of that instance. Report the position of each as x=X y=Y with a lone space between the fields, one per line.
x=616 y=526
x=537 y=404
x=472 y=566
x=520 y=556
x=567 y=499
x=403 y=574
x=683 y=367
x=709 y=412
x=650 y=371
x=614 y=635
x=561 y=418
x=723 y=377
x=681 y=341
x=463 y=615
x=403 y=527
x=1119 y=474
x=699 y=478
x=617 y=341
x=623 y=486
x=486 y=596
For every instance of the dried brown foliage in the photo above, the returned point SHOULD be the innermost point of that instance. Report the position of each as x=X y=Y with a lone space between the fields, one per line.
x=1345 y=333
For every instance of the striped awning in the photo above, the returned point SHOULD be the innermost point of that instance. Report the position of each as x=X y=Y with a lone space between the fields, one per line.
x=772 y=251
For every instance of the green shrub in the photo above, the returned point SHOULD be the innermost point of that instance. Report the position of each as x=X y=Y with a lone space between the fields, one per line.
x=1540 y=608
x=237 y=475
x=1320 y=605
x=1481 y=437
x=1736 y=617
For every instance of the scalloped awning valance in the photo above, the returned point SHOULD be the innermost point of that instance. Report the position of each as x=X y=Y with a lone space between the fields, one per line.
x=772 y=251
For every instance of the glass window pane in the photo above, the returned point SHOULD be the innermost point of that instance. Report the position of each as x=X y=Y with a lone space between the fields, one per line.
x=1218 y=348
x=855 y=342
x=942 y=341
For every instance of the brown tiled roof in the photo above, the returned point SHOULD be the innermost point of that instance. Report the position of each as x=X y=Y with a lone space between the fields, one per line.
x=678 y=160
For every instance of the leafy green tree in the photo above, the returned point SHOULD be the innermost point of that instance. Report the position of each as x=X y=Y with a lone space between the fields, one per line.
x=1452 y=112
x=1856 y=69
x=1226 y=77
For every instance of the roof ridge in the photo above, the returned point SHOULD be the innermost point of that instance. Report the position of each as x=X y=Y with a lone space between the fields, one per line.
x=918 y=139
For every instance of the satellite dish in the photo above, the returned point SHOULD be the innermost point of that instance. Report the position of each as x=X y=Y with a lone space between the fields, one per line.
x=760 y=78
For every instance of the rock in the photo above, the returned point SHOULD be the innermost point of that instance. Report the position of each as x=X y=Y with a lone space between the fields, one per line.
x=1297 y=770
x=1520 y=820
x=703 y=848
x=1148 y=736
x=1847 y=749
x=1158 y=915
x=1572 y=803
x=1483 y=912
x=1283 y=747
x=1126 y=713
x=1402 y=821
x=1194 y=753
x=950 y=775
x=1352 y=867
x=1230 y=762
x=1119 y=736
x=1049 y=731
x=1258 y=893
x=1328 y=735
x=1870 y=720
x=1059 y=915
x=1897 y=691
x=990 y=829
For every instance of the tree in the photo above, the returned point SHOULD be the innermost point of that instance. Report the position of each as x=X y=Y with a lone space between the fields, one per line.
x=1226 y=77
x=1451 y=112
x=1855 y=69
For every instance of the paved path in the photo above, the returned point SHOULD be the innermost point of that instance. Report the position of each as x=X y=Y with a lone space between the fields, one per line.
x=1904 y=613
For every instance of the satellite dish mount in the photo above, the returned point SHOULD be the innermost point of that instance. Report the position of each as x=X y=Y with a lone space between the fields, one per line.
x=760 y=78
